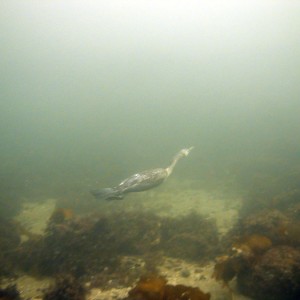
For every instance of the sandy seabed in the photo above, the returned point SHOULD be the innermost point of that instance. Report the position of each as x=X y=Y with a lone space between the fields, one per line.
x=168 y=200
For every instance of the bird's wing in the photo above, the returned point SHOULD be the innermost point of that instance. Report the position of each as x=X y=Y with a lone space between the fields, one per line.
x=142 y=181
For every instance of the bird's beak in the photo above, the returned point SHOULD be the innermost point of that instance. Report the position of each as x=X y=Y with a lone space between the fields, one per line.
x=189 y=150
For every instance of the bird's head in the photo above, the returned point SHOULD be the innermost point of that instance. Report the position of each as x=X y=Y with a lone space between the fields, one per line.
x=185 y=152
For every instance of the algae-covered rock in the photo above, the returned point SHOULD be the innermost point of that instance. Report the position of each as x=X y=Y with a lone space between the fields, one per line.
x=276 y=276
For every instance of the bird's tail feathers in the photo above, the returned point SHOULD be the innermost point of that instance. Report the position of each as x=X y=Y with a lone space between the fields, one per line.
x=107 y=194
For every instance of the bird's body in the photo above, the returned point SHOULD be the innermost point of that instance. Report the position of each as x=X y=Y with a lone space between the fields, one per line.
x=139 y=182
x=143 y=181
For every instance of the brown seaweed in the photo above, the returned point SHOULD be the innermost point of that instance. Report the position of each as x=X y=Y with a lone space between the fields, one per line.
x=156 y=288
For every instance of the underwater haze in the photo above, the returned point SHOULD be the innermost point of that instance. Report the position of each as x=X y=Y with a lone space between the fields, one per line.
x=94 y=91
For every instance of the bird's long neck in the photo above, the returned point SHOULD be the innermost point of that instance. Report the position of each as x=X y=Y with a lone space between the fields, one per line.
x=176 y=158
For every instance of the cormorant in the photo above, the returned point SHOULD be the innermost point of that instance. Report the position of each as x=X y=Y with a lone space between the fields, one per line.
x=140 y=181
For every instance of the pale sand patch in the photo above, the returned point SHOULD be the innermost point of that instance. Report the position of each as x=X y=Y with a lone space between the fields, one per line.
x=178 y=271
x=112 y=294
x=29 y=287
x=178 y=199
x=35 y=215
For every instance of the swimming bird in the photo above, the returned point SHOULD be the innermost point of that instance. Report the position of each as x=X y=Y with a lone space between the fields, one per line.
x=141 y=181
